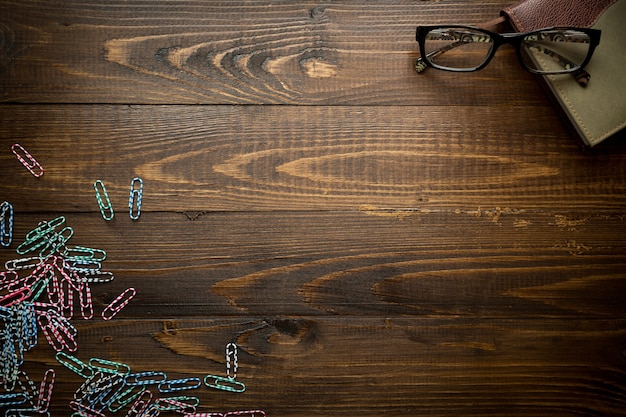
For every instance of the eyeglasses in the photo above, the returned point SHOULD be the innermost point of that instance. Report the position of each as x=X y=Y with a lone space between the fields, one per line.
x=558 y=50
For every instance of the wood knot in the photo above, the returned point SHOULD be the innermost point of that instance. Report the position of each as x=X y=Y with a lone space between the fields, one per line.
x=299 y=330
x=317 y=13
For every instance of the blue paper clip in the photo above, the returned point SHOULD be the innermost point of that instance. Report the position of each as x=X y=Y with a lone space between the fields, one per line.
x=134 y=201
x=104 y=204
x=6 y=224
x=172 y=385
x=145 y=378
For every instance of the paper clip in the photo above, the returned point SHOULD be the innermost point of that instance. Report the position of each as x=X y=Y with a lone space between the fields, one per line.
x=141 y=404
x=251 y=413
x=85 y=410
x=45 y=391
x=109 y=367
x=27 y=160
x=105 y=205
x=213 y=414
x=179 y=385
x=15 y=297
x=183 y=405
x=223 y=383
x=231 y=361
x=125 y=397
x=74 y=364
x=118 y=304
x=145 y=378
x=44 y=228
x=22 y=263
x=6 y=224
x=13 y=398
x=134 y=201
x=81 y=253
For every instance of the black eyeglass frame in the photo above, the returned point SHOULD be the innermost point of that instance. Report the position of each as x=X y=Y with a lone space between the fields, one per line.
x=515 y=39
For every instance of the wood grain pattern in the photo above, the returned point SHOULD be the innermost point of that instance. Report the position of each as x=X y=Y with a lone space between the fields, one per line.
x=375 y=241
x=331 y=158
x=240 y=53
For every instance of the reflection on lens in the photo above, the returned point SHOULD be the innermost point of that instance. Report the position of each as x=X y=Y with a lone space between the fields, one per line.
x=457 y=48
x=555 y=51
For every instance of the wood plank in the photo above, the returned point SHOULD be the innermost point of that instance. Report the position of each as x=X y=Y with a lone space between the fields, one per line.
x=225 y=158
x=243 y=52
x=373 y=366
x=499 y=265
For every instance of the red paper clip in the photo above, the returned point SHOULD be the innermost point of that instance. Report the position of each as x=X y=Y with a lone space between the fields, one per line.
x=15 y=297
x=118 y=304
x=27 y=160
x=45 y=391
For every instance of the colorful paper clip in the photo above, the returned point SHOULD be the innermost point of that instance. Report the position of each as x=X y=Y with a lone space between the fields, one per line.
x=118 y=304
x=74 y=364
x=145 y=378
x=104 y=204
x=228 y=383
x=27 y=160
x=109 y=367
x=45 y=391
x=6 y=224
x=223 y=383
x=232 y=362
x=173 y=385
x=134 y=201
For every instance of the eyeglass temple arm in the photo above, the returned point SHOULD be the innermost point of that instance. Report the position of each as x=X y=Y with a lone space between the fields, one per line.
x=580 y=75
x=420 y=63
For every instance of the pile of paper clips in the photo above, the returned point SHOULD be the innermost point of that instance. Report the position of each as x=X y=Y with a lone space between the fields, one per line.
x=43 y=291
x=111 y=387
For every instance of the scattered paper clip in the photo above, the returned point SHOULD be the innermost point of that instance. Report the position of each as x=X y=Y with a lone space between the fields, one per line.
x=6 y=224
x=27 y=160
x=134 y=201
x=118 y=304
x=104 y=204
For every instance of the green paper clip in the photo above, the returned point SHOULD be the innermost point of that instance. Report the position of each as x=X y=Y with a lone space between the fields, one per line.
x=225 y=384
x=109 y=367
x=106 y=209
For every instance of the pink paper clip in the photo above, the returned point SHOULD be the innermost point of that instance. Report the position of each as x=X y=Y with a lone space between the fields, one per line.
x=118 y=304
x=45 y=391
x=250 y=413
x=27 y=160
x=85 y=410
x=15 y=297
x=141 y=403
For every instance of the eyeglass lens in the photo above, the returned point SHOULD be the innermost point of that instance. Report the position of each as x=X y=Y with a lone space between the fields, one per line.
x=556 y=50
x=546 y=51
x=457 y=48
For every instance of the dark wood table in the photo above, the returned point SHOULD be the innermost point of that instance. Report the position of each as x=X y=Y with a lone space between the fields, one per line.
x=375 y=242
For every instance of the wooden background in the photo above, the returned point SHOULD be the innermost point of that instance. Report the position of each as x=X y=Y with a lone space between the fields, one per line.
x=377 y=242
